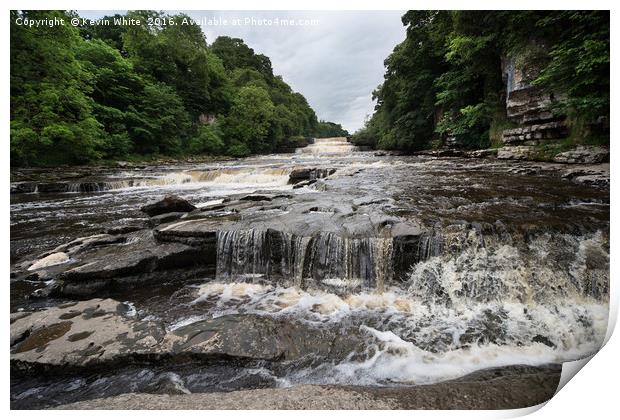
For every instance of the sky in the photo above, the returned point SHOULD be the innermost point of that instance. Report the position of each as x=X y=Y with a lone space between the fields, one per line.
x=335 y=60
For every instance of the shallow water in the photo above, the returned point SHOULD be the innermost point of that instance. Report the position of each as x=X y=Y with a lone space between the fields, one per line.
x=513 y=268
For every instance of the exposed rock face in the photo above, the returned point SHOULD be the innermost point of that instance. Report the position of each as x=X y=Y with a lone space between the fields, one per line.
x=307 y=174
x=583 y=154
x=595 y=175
x=79 y=335
x=169 y=204
x=536 y=133
x=104 y=332
x=104 y=263
x=516 y=152
x=527 y=105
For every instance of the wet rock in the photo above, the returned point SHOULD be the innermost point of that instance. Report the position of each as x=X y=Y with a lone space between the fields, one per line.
x=516 y=153
x=142 y=262
x=543 y=340
x=101 y=332
x=169 y=204
x=45 y=339
x=593 y=175
x=122 y=230
x=304 y=183
x=52 y=259
x=51 y=187
x=221 y=336
x=23 y=187
x=89 y=242
x=165 y=218
x=583 y=154
x=306 y=174
x=483 y=153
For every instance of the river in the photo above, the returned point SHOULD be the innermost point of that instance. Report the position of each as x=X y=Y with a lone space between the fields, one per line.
x=415 y=269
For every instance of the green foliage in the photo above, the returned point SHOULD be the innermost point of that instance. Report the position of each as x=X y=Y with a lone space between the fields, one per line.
x=579 y=64
x=330 y=129
x=445 y=79
x=119 y=91
x=250 y=118
x=208 y=141
x=52 y=117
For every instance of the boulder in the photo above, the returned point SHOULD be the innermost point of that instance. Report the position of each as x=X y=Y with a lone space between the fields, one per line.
x=306 y=174
x=583 y=154
x=169 y=204
x=516 y=153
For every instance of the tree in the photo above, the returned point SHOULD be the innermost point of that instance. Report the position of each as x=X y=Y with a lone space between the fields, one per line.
x=249 y=120
x=52 y=117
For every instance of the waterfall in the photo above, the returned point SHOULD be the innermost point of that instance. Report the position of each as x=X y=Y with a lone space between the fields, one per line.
x=544 y=268
x=328 y=146
x=324 y=259
x=263 y=177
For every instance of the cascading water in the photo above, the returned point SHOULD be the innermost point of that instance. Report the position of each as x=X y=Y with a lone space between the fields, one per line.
x=329 y=146
x=325 y=259
x=484 y=300
x=491 y=268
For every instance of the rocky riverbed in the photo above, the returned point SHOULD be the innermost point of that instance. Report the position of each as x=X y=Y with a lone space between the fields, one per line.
x=382 y=277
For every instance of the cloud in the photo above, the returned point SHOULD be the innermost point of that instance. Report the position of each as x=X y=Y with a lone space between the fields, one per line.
x=335 y=63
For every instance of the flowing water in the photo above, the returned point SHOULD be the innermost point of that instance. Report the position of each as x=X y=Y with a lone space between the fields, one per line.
x=511 y=266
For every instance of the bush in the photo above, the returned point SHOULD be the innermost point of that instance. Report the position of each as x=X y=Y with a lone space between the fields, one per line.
x=238 y=149
x=208 y=141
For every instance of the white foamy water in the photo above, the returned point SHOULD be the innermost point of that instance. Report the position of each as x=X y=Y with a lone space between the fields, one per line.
x=328 y=146
x=408 y=340
x=222 y=179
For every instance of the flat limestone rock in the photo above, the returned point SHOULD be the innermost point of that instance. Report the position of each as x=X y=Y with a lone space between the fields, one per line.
x=583 y=154
x=104 y=332
x=52 y=259
x=82 y=334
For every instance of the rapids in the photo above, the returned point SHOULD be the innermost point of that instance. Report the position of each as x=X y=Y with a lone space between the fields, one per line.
x=511 y=265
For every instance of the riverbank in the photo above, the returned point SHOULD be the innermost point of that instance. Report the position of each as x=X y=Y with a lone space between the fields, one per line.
x=504 y=388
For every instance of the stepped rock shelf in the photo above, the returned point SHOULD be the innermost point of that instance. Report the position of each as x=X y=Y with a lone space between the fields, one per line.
x=329 y=267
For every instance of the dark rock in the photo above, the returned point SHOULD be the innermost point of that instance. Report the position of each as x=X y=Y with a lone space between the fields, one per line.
x=122 y=230
x=52 y=187
x=306 y=174
x=23 y=187
x=169 y=204
x=543 y=340
x=143 y=262
x=304 y=183
x=165 y=218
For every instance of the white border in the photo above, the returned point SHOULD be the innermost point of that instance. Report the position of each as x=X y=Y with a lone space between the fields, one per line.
x=593 y=394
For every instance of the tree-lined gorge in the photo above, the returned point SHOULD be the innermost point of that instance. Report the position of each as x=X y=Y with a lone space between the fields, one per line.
x=446 y=82
x=81 y=94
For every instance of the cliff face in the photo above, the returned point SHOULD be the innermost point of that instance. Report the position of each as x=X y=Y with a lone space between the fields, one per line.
x=530 y=109
x=529 y=106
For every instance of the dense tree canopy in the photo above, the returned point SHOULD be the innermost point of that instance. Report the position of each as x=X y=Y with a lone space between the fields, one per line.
x=445 y=78
x=330 y=129
x=113 y=91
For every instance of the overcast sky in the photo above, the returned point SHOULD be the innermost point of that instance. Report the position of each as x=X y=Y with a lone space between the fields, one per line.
x=335 y=63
